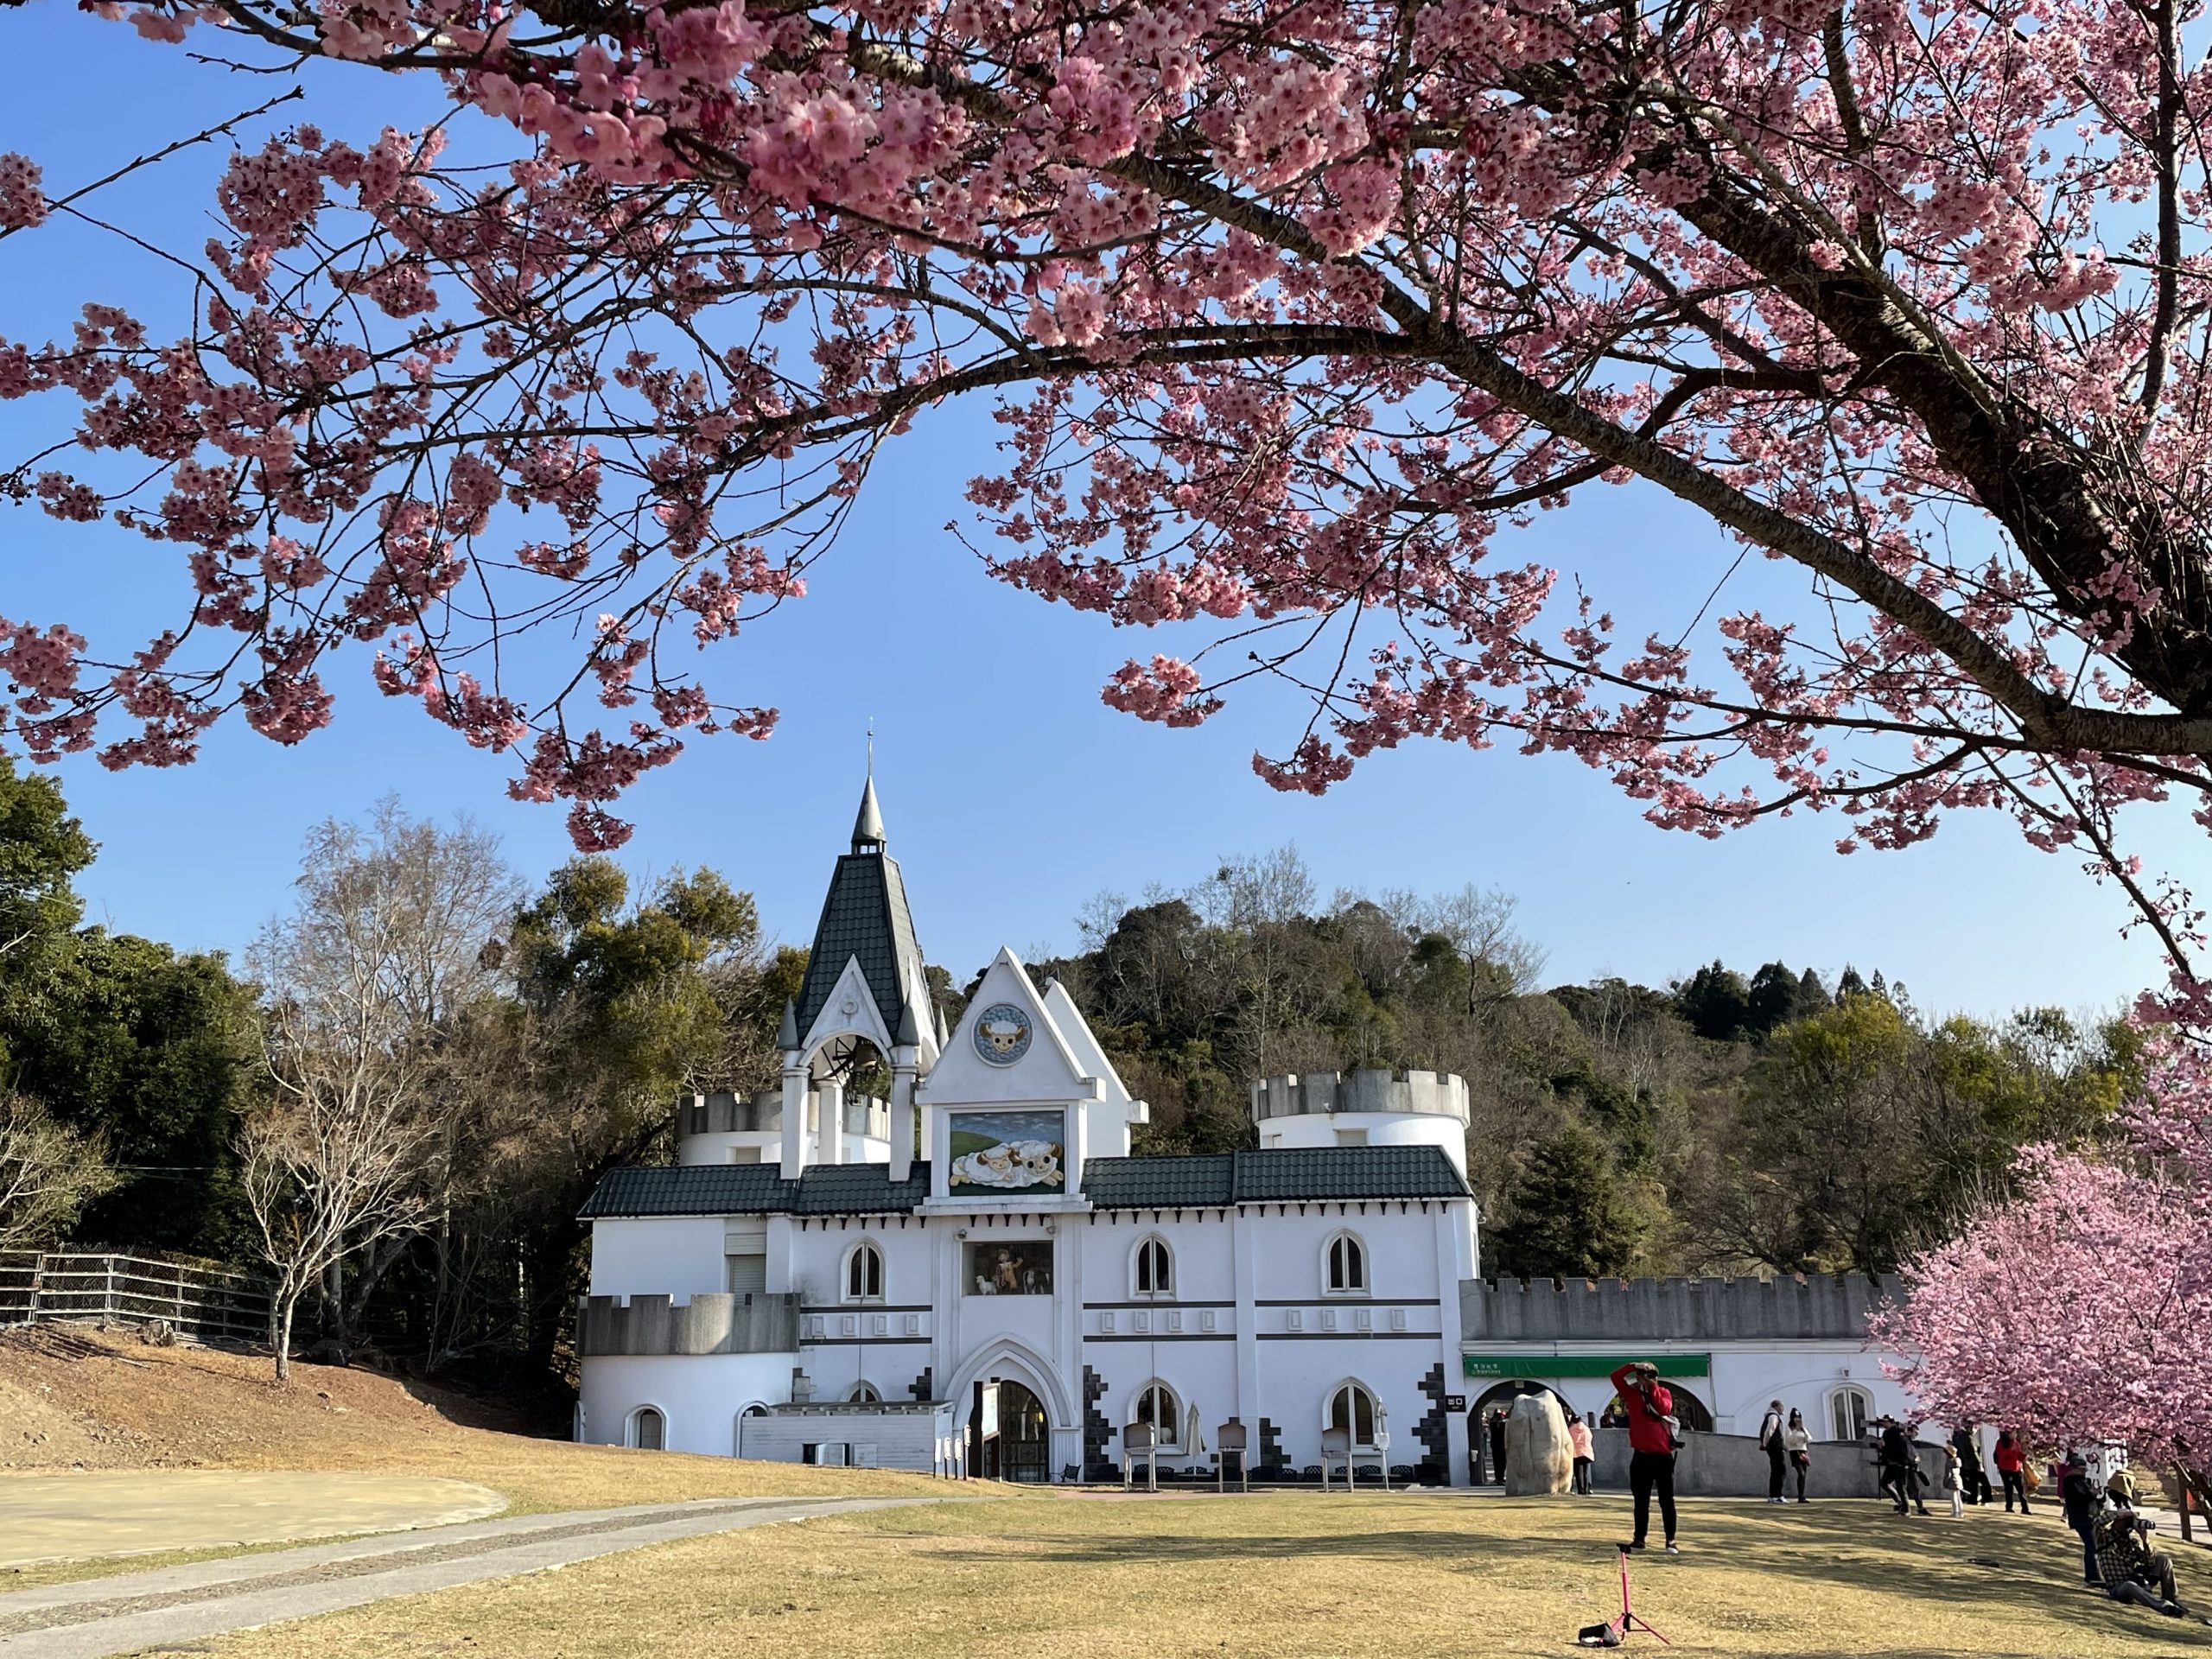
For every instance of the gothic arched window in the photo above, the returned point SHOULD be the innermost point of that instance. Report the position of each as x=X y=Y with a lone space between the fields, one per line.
x=864 y=1274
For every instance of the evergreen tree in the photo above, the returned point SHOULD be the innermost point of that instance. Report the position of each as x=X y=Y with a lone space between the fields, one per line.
x=1570 y=1218
x=120 y=1040
x=1812 y=997
x=156 y=1053
x=1716 y=1003
x=1771 y=1001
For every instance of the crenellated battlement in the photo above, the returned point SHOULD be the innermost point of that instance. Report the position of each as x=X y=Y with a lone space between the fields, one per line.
x=1802 y=1307
x=751 y=1323
x=762 y=1113
x=1429 y=1094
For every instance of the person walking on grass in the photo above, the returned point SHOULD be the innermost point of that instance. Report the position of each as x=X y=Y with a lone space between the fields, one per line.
x=1974 y=1478
x=1584 y=1450
x=2011 y=1469
x=1797 y=1441
x=1955 y=1481
x=1778 y=1459
x=1652 y=1443
x=1900 y=1467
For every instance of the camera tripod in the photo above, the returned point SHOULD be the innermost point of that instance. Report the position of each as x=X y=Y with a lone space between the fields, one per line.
x=1630 y=1618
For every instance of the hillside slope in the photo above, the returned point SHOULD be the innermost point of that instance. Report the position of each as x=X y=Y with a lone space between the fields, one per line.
x=74 y=1399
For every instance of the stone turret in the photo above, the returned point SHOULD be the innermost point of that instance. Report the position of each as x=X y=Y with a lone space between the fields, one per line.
x=1368 y=1108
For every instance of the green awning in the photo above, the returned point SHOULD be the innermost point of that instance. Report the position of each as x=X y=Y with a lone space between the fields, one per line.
x=1538 y=1367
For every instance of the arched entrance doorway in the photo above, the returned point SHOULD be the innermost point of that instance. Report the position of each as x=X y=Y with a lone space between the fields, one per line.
x=1690 y=1412
x=1486 y=1429
x=1021 y=1450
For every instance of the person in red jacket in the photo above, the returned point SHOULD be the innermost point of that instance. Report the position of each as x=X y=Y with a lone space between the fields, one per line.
x=1650 y=1408
x=2012 y=1458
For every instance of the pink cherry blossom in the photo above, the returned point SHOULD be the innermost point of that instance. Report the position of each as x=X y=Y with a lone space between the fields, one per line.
x=1294 y=319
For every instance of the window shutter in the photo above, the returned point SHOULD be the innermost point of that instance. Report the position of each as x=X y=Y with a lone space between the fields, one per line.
x=748 y=1272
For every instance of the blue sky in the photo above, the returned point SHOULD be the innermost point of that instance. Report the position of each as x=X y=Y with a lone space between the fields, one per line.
x=1011 y=793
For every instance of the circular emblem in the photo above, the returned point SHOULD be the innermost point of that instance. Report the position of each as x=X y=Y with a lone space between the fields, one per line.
x=1002 y=1034
x=849 y=1007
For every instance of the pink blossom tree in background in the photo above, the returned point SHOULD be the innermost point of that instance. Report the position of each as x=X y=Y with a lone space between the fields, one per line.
x=1293 y=315
x=2073 y=1313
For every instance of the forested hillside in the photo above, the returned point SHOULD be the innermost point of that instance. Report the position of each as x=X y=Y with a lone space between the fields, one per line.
x=1729 y=1120
x=400 y=1099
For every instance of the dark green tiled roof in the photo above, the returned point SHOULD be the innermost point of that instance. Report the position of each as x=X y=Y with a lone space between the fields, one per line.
x=1286 y=1174
x=1151 y=1183
x=865 y=915
x=1272 y=1175
x=1276 y=1175
x=756 y=1190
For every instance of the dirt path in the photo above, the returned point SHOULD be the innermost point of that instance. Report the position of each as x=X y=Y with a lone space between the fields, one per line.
x=173 y=1606
x=93 y=1513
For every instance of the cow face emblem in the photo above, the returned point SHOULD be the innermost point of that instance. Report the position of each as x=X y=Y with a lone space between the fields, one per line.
x=1002 y=1033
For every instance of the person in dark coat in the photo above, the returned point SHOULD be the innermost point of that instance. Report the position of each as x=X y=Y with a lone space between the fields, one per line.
x=1778 y=1459
x=1900 y=1466
x=1974 y=1477
x=2083 y=1502
x=1497 y=1447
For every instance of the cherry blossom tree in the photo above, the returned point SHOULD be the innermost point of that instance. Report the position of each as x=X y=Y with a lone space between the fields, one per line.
x=2075 y=1312
x=1293 y=316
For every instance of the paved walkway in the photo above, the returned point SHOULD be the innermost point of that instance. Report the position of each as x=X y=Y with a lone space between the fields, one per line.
x=173 y=1606
x=70 y=1517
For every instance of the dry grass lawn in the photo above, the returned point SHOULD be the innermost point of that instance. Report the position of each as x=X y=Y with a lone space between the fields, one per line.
x=131 y=1407
x=1286 y=1576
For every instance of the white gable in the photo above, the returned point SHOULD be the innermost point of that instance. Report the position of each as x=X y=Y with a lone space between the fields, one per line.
x=1045 y=1067
x=1076 y=1030
x=851 y=1012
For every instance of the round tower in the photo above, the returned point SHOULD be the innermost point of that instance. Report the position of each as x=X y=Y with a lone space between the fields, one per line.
x=1373 y=1108
x=727 y=1129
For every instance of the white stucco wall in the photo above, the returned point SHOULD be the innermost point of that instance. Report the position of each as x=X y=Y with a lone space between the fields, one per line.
x=677 y=1256
x=1382 y=1129
x=700 y=1395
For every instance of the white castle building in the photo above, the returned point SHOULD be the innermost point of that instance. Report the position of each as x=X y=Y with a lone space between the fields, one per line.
x=832 y=1279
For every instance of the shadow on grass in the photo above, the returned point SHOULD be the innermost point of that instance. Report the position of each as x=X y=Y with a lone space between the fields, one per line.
x=2033 y=1569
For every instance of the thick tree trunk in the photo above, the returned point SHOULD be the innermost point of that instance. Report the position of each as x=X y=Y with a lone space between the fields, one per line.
x=353 y=1308
x=334 y=1323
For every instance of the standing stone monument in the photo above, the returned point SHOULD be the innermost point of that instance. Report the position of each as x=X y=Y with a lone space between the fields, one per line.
x=1538 y=1458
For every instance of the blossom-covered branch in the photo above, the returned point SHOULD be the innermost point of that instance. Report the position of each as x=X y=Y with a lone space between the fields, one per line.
x=1294 y=315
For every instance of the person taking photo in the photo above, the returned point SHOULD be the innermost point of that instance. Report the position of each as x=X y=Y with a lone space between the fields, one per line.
x=1652 y=1443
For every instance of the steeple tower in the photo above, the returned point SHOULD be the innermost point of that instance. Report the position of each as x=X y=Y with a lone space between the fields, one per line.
x=864 y=979
x=867 y=828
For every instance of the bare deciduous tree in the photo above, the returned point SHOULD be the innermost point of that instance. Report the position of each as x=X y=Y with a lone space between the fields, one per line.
x=330 y=1167
x=397 y=933
x=1477 y=923
x=49 y=1173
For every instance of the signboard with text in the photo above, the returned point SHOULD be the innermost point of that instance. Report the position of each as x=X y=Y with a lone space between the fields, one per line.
x=1543 y=1366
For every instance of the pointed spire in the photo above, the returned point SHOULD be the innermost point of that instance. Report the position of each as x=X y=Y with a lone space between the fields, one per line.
x=909 y=1034
x=943 y=1035
x=867 y=828
x=787 y=1033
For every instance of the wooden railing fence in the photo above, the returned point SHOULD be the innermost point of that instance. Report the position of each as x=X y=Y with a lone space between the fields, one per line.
x=200 y=1303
